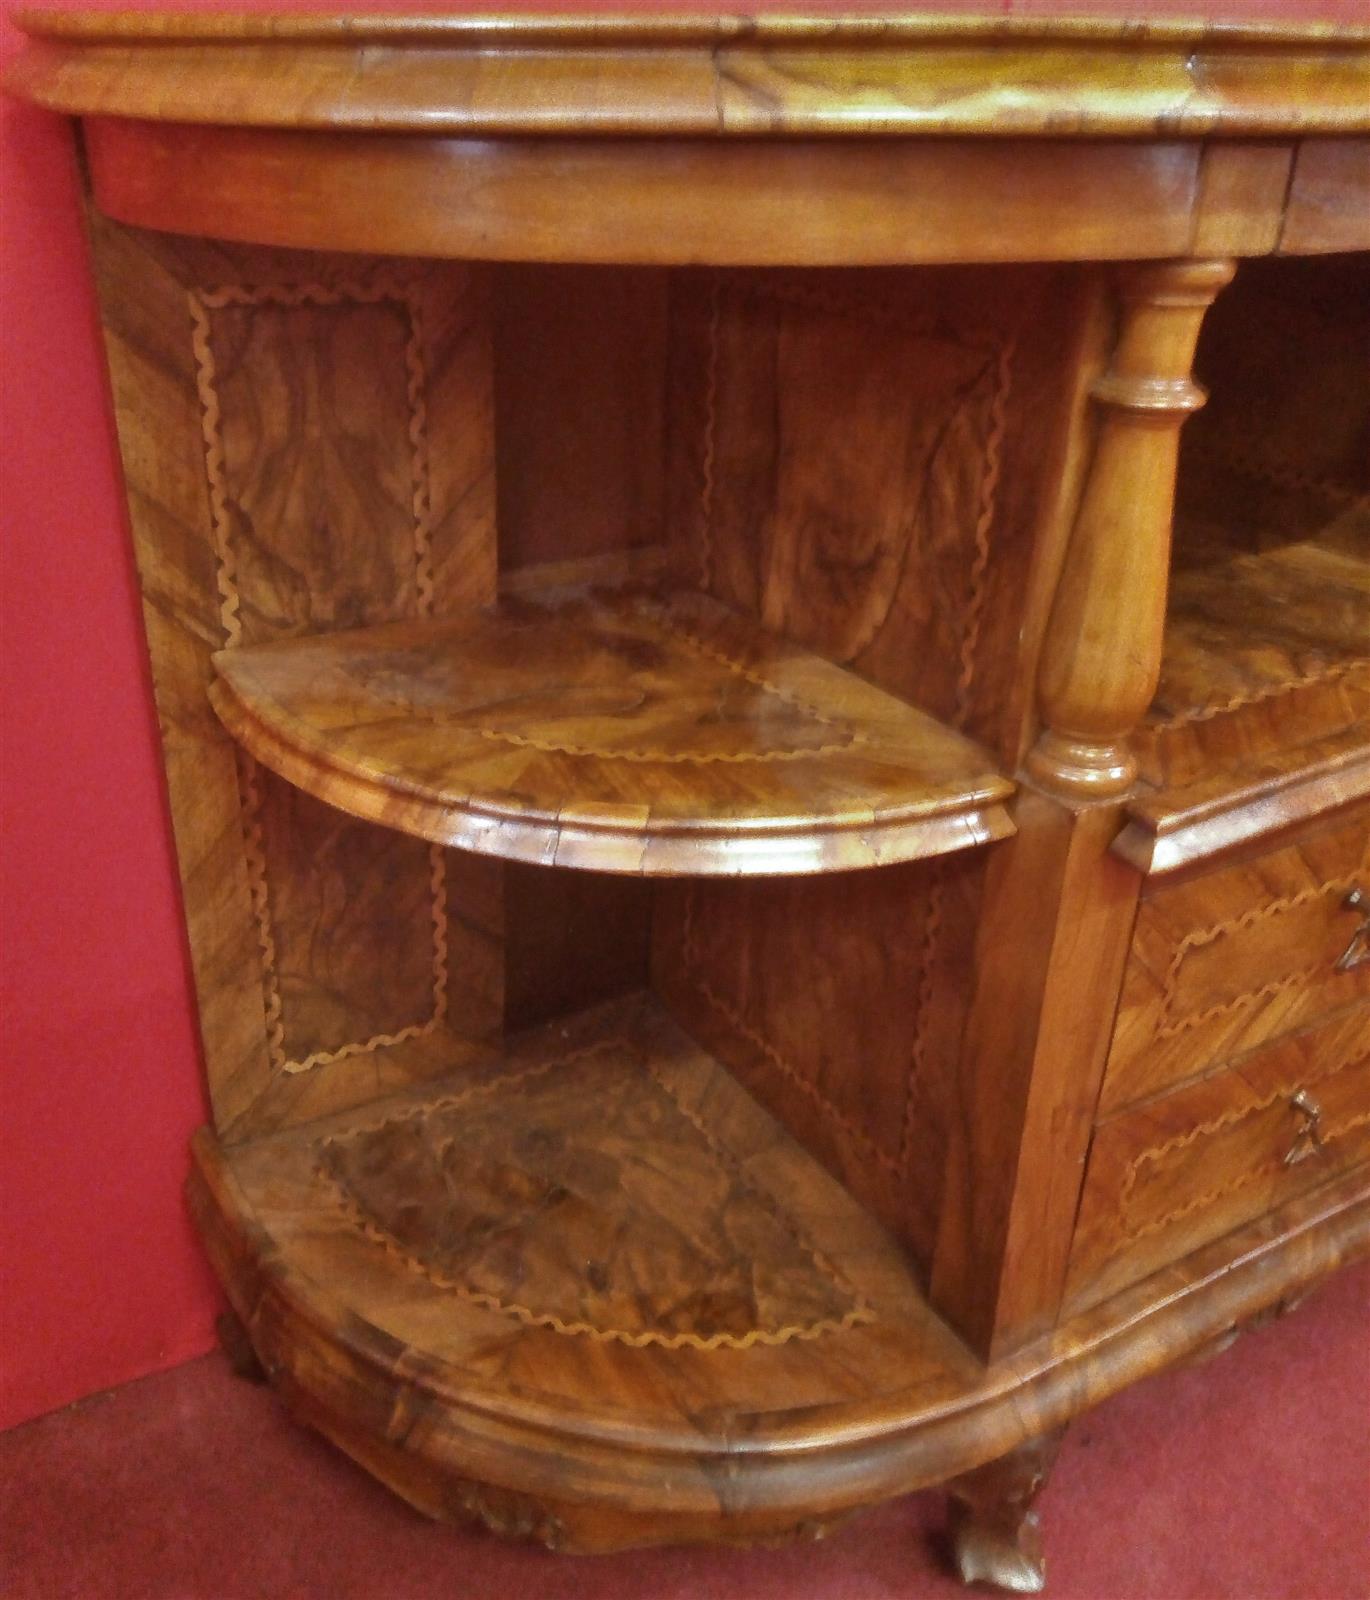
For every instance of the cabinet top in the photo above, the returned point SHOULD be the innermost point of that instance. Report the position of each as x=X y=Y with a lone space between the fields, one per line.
x=775 y=76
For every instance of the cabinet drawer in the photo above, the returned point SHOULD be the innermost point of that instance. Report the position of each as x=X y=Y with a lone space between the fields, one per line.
x=1187 y=1167
x=1232 y=958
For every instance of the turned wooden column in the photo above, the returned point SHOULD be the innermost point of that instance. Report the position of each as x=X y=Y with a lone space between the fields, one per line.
x=1102 y=654
x=1038 y=1030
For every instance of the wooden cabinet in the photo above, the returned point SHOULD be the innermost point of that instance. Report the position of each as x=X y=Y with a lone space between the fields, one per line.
x=762 y=638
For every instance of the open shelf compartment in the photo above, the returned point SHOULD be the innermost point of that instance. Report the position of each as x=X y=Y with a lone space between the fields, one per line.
x=1261 y=717
x=633 y=731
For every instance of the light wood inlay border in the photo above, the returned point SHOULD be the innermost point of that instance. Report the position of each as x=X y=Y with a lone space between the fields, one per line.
x=383 y=289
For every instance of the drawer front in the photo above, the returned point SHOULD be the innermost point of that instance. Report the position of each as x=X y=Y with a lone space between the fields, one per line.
x=1189 y=1166
x=1230 y=959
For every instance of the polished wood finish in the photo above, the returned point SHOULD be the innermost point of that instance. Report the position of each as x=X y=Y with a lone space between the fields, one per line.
x=557 y=200
x=1261 y=719
x=704 y=77
x=276 y=416
x=1023 y=1098
x=1225 y=959
x=591 y=1435
x=629 y=732
x=1327 y=207
x=996 y=1531
x=1100 y=664
x=1190 y=1165
x=797 y=485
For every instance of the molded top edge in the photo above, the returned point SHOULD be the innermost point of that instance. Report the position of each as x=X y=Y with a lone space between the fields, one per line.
x=703 y=76
x=512 y=30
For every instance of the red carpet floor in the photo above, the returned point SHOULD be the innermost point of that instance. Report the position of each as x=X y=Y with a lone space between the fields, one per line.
x=1245 y=1479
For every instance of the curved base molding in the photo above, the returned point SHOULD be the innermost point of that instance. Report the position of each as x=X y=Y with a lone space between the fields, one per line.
x=706 y=1371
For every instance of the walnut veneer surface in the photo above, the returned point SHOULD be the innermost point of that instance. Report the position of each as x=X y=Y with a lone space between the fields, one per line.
x=628 y=732
x=762 y=636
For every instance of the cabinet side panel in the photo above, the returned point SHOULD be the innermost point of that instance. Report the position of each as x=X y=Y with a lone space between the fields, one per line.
x=307 y=446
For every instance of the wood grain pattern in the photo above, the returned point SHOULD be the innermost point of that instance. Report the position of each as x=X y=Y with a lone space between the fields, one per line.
x=1261 y=719
x=1190 y=1165
x=276 y=414
x=1241 y=204
x=581 y=200
x=1257 y=797
x=850 y=1045
x=1268 y=638
x=780 y=503
x=685 y=739
x=577 y=1193
x=835 y=471
x=598 y=1443
x=1264 y=649
x=1329 y=198
x=1224 y=960
x=1022 y=1099
x=1100 y=662
x=709 y=77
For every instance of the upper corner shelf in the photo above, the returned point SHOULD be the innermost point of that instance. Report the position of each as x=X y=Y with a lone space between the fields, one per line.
x=617 y=732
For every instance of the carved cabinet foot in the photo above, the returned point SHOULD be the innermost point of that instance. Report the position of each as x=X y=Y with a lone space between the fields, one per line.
x=236 y=1345
x=996 y=1534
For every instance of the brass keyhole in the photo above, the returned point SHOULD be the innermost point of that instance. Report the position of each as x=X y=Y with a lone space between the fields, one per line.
x=1357 y=953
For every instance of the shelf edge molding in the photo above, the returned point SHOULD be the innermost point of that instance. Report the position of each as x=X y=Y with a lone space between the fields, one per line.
x=528 y=733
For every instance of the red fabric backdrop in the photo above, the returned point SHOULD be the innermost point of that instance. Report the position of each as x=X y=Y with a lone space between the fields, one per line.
x=100 y=1084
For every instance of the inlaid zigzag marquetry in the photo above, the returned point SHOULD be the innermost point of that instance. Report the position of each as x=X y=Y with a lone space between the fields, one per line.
x=1334 y=889
x=496 y=1192
x=993 y=354
x=988 y=378
x=1187 y=1166
x=1241 y=1177
x=383 y=288
x=892 y=1162
x=693 y=975
x=638 y=732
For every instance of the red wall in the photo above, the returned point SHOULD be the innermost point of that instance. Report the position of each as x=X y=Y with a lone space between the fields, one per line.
x=100 y=1280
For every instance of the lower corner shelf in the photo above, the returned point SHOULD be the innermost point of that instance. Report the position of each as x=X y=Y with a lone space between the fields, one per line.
x=592 y=1293
x=622 y=731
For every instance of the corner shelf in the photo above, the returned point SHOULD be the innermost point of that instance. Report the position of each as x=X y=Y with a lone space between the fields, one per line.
x=618 y=731
x=1263 y=706
x=589 y=1291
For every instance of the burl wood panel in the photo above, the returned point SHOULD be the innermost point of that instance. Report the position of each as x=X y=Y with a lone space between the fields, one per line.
x=863 y=461
x=415 y=1360
x=616 y=730
x=878 y=465
x=1226 y=959
x=307 y=445
x=577 y=1192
